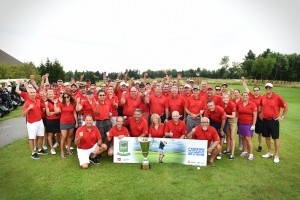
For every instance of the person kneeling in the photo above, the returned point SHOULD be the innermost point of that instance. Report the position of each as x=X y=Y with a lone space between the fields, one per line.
x=119 y=131
x=88 y=140
x=206 y=132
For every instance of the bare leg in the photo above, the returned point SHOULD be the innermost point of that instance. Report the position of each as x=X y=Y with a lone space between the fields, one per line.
x=244 y=143
x=31 y=144
x=249 y=144
x=63 y=140
x=215 y=153
x=70 y=137
x=50 y=135
x=232 y=141
x=40 y=142
x=276 y=143
x=268 y=141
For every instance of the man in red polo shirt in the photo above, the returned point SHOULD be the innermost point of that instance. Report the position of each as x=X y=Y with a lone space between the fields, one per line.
x=138 y=126
x=175 y=128
x=217 y=117
x=269 y=110
x=121 y=89
x=194 y=108
x=102 y=114
x=32 y=110
x=158 y=104
x=88 y=141
x=209 y=95
x=130 y=102
x=176 y=102
x=113 y=100
x=209 y=133
x=119 y=131
x=187 y=92
x=80 y=97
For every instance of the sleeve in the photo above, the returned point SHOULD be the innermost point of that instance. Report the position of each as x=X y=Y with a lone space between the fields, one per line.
x=282 y=103
x=223 y=114
x=26 y=105
x=233 y=107
x=98 y=135
x=215 y=135
x=254 y=107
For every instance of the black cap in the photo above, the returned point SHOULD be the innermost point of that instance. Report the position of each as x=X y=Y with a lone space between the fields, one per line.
x=141 y=85
x=81 y=86
x=73 y=85
x=89 y=92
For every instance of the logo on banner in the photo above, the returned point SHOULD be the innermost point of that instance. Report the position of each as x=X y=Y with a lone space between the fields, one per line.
x=123 y=148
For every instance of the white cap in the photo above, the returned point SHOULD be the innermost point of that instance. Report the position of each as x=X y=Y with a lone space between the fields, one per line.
x=126 y=84
x=122 y=83
x=269 y=85
x=67 y=83
x=135 y=82
x=187 y=85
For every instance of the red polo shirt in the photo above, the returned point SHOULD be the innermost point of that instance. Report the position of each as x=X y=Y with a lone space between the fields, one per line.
x=230 y=108
x=130 y=105
x=185 y=96
x=217 y=115
x=89 y=138
x=217 y=99
x=34 y=114
x=177 y=129
x=254 y=99
x=137 y=128
x=111 y=101
x=176 y=104
x=51 y=109
x=67 y=113
x=103 y=110
x=158 y=104
x=119 y=94
x=25 y=96
x=159 y=133
x=143 y=106
x=194 y=105
x=246 y=112
x=271 y=106
x=210 y=134
x=82 y=98
x=115 y=132
x=87 y=108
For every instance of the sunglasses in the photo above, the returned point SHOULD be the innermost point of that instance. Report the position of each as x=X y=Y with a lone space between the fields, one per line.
x=101 y=95
x=61 y=93
x=217 y=89
x=67 y=97
x=268 y=87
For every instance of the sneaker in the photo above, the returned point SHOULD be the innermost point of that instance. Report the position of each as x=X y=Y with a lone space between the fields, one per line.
x=219 y=157
x=53 y=152
x=94 y=160
x=56 y=145
x=35 y=156
x=244 y=154
x=225 y=152
x=42 y=152
x=231 y=157
x=45 y=146
x=268 y=155
x=63 y=155
x=276 y=159
x=250 y=157
x=70 y=147
x=259 y=148
x=70 y=152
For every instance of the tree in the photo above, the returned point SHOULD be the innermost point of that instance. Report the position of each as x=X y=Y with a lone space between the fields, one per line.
x=264 y=66
x=250 y=55
x=55 y=70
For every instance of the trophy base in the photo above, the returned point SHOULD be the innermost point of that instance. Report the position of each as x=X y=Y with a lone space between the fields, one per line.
x=145 y=166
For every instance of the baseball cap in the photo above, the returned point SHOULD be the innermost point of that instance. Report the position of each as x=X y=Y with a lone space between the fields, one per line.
x=187 y=86
x=209 y=88
x=122 y=83
x=89 y=92
x=66 y=83
x=81 y=86
x=135 y=82
x=192 y=81
x=46 y=84
x=269 y=85
x=196 y=87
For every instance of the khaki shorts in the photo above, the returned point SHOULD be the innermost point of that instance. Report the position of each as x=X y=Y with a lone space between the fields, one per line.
x=232 y=124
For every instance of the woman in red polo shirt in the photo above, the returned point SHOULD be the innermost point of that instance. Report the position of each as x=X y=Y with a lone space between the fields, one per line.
x=247 y=114
x=53 y=124
x=156 y=128
x=230 y=109
x=68 y=121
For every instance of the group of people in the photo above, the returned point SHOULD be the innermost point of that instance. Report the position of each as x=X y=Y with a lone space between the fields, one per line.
x=143 y=109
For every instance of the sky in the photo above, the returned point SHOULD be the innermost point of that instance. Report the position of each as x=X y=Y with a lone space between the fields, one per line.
x=113 y=35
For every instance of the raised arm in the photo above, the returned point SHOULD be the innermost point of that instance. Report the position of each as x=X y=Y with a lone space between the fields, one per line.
x=245 y=85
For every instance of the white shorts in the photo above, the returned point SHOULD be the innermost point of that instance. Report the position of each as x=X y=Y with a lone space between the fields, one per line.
x=84 y=154
x=35 y=129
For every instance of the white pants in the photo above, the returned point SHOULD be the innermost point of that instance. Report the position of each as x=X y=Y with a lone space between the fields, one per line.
x=84 y=154
x=35 y=129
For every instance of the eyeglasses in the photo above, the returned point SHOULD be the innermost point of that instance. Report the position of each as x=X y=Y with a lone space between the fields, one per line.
x=66 y=97
x=101 y=95
x=204 y=122
x=268 y=87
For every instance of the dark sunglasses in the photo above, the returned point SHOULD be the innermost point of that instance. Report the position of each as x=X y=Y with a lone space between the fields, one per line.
x=66 y=97
x=268 y=87
x=218 y=89
x=61 y=93
x=101 y=95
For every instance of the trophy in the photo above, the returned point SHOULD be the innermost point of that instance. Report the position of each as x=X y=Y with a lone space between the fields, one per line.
x=145 y=146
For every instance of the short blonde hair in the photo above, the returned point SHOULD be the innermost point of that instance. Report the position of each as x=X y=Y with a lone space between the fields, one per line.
x=153 y=116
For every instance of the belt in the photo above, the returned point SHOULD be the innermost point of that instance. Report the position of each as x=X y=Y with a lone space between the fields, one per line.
x=102 y=120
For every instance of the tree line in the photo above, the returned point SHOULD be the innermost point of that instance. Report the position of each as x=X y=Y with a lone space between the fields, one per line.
x=266 y=66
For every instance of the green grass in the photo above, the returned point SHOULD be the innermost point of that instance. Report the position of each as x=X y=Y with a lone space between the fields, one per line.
x=15 y=113
x=53 y=177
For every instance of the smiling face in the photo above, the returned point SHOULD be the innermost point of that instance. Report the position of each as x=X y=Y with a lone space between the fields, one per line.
x=89 y=121
x=204 y=123
x=245 y=96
